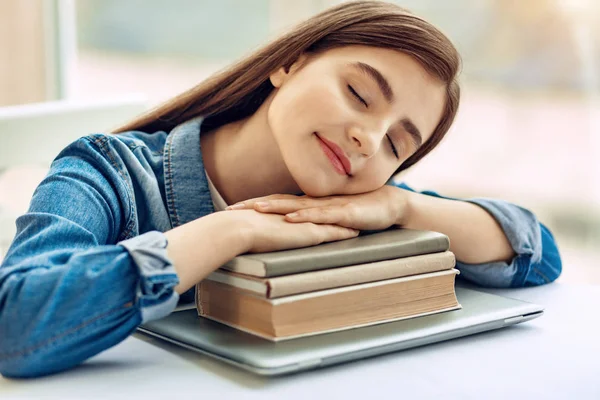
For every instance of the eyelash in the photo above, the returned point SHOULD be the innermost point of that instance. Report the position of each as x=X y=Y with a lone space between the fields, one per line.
x=393 y=147
x=357 y=96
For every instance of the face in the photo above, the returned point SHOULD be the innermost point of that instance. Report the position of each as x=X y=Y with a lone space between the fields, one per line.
x=346 y=119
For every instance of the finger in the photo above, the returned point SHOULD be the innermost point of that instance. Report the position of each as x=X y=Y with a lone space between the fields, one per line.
x=330 y=233
x=338 y=215
x=287 y=206
x=249 y=204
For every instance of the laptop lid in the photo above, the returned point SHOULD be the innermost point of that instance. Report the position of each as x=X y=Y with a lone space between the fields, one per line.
x=480 y=312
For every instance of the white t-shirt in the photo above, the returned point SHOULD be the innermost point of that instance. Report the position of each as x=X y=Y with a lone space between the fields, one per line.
x=217 y=200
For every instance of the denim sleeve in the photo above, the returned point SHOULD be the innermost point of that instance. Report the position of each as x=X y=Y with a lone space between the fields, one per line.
x=71 y=285
x=537 y=260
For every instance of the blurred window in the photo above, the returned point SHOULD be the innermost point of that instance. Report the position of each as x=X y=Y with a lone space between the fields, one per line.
x=528 y=130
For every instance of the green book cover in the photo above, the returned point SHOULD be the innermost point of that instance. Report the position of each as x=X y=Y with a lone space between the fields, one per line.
x=367 y=247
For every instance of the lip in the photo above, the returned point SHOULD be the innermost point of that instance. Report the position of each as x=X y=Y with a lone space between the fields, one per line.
x=339 y=153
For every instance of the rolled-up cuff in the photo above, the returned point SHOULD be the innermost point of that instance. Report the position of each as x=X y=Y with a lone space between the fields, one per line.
x=155 y=295
x=522 y=230
x=495 y=274
x=520 y=226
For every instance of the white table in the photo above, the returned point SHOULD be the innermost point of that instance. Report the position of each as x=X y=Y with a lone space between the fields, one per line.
x=556 y=356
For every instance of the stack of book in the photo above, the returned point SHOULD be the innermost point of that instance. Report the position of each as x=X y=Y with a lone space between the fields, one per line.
x=371 y=279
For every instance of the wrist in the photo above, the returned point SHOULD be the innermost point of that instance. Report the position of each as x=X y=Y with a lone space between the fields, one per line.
x=199 y=247
x=402 y=204
x=238 y=230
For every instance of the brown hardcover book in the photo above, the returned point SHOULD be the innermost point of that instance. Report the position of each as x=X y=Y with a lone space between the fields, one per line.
x=328 y=310
x=288 y=285
x=371 y=247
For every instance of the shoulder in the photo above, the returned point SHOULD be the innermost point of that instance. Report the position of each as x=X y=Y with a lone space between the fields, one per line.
x=120 y=151
x=128 y=142
x=119 y=158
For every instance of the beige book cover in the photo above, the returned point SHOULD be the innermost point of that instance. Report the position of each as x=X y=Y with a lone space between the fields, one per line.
x=336 y=277
x=370 y=247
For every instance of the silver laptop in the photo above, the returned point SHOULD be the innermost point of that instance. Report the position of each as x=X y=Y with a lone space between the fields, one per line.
x=480 y=312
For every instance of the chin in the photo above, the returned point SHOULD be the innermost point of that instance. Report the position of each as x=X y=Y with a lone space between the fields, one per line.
x=312 y=177
x=319 y=192
x=315 y=187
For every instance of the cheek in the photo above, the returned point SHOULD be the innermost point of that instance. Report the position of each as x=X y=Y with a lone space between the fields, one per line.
x=331 y=107
x=318 y=105
x=327 y=102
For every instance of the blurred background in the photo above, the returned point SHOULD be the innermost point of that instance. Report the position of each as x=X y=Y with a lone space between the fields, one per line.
x=528 y=130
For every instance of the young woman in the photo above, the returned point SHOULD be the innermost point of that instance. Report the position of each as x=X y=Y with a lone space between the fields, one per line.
x=300 y=140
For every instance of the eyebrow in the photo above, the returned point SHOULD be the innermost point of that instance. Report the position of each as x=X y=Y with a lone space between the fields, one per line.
x=373 y=73
x=388 y=93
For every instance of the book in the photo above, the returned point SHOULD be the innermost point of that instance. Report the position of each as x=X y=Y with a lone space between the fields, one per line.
x=328 y=310
x=305 y=282
x=378 y=246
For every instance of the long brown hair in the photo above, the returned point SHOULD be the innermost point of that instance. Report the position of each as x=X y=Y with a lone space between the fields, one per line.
x=238 y=91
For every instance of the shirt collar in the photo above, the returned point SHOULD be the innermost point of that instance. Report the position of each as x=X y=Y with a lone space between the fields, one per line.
x=186 y=184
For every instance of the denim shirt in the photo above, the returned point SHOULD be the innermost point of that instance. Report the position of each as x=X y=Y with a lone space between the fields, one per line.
x=88 y=263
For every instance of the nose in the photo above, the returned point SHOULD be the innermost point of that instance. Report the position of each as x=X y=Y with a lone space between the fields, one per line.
x=366 y=140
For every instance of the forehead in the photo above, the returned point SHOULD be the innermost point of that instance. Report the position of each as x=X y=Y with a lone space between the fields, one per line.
x=418 y=95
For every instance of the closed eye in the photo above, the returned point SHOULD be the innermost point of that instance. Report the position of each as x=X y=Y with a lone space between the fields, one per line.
x=359 y=98
x=392 y=145
x=355 y=94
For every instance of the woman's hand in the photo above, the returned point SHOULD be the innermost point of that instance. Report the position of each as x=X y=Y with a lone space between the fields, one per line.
x=374 y=210
x=271 y=232
x=199 y=247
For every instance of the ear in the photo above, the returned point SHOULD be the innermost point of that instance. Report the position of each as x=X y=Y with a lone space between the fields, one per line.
x=282 y=74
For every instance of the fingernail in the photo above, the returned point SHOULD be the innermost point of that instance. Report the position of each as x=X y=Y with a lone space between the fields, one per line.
x=236 y=206
x=292 y=215
x=262 y=204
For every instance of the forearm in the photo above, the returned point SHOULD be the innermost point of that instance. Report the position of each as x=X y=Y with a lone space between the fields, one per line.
x=53 y=316
x=201 y=246
x=475 y=236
